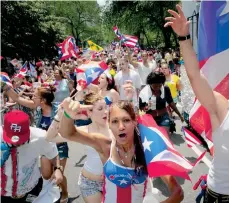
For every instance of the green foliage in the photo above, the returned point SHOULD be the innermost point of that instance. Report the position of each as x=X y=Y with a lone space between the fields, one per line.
x=144 y=19
x=32 y=28
x=28 y=30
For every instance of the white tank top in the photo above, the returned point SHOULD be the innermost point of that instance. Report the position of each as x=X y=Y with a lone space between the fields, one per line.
x=93 y=163
x=218 y=176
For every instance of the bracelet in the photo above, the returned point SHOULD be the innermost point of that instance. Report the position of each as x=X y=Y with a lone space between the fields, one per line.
x=183 y=38
x=66 y=115
x=131 y=100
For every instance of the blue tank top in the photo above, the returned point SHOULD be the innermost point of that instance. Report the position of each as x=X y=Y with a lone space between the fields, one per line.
x=45 y=123
x=123 y=176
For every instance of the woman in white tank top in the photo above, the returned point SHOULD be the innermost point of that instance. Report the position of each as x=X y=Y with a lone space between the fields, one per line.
x=217 y=107
x=91 y=177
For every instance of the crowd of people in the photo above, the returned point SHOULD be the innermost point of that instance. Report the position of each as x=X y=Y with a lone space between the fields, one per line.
x=42 y=113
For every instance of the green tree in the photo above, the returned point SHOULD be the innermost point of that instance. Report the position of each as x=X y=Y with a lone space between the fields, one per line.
x=82 y=18
x=28 y=30
x=142 y=18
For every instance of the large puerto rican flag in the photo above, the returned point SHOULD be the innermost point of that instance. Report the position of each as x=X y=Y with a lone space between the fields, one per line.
x=213 y=49
x=161 y=156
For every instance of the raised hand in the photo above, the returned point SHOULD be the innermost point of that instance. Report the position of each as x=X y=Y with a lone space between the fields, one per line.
x=129 y=90
x=74 y=109
x=178 y=22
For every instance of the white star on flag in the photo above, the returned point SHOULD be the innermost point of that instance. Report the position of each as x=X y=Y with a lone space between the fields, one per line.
x=94 y=75
x=146 y=144
x=225 y=10
x=43 y=125
x=123 y=181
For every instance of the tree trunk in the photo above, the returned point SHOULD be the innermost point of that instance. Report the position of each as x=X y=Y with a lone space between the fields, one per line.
x=144 y=33
x=166 y=35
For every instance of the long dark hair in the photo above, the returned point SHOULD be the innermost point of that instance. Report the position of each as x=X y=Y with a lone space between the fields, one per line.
x=139 y=152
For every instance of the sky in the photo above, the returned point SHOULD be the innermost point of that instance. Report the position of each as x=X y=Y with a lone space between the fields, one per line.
x=101 y=2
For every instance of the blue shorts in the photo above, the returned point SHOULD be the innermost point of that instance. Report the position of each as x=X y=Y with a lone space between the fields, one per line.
x=63 y=150
x=164 y=120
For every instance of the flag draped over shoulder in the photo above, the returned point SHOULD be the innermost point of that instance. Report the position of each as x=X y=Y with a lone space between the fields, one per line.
x=213 y=52
x=93 y=46
x=127 y=40
x=161 y=156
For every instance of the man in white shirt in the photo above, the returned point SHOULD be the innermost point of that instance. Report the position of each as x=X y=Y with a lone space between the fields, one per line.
x=145 y=67
x=21 y=146
x=126 y=75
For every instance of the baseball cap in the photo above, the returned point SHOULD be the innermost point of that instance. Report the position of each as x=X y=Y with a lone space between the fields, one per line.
x=16 y=129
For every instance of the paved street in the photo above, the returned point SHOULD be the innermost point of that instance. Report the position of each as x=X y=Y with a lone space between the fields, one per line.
x=77 y=158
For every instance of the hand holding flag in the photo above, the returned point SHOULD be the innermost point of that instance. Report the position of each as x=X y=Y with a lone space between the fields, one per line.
x=161 y=156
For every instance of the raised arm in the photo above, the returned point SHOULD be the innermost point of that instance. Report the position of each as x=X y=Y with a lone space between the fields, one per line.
x=69 y=131
x=212 y=101
x=20 y=100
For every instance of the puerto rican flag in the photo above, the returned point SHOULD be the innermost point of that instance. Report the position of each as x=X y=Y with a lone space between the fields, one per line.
x=213 y=50
x=127 y=40
x=190 y=138
x=23 y=69
x=89 y=72
x=161 y=156
x=68 y=49
x=4 y=78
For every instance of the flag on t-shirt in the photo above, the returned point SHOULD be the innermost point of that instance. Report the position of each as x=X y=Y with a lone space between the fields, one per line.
x=161 y=156
x=213 y=52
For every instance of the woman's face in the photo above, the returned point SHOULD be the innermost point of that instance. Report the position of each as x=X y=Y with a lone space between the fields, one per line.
x=156 y=87
x=121 y=125
x=99 y=113
x=57 y=75
x=102 y=81
x=37 y=98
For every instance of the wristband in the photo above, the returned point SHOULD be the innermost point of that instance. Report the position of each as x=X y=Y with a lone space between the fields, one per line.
x=66 y=115
x=183 y=38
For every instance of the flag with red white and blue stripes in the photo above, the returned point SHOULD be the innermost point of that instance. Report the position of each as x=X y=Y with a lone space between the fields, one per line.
x=213 y=52
x=161 y=156
x=127 y=40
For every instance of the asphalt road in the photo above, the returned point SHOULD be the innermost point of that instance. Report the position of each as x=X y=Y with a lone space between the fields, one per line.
x=77 y=157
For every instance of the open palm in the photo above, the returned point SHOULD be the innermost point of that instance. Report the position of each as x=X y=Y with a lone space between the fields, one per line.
x=178 y=22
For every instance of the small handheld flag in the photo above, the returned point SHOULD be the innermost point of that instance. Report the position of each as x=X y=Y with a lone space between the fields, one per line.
x=93 y=46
